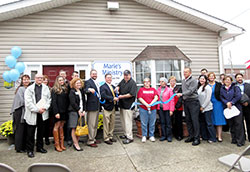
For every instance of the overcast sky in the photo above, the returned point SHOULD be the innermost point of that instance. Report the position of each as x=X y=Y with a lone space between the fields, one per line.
x=234 y=11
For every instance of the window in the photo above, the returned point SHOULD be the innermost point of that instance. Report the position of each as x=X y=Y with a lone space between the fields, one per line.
x=167 y=68
x=143 y=70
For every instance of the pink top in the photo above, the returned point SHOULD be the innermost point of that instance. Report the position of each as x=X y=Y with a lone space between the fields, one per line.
x=168 y=92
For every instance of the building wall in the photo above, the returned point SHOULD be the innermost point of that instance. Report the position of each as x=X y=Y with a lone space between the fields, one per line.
x=87 y=31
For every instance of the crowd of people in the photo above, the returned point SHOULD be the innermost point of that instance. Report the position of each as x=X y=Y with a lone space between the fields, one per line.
x=57 y=110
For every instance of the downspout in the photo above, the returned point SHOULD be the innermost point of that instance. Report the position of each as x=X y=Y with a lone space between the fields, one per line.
x=221 y=56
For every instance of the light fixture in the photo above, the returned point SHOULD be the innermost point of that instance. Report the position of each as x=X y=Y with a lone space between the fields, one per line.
x=112 y=6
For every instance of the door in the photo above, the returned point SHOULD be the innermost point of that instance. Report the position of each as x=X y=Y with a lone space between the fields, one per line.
x=53 y=71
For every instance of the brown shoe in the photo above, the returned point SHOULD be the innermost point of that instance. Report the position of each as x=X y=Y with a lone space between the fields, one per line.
x=56 y=139
x=93 y=145
x=62 y=139
x=108 y=142
x=97 y=142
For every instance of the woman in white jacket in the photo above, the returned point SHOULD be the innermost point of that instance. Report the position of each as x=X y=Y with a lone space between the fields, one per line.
x=206 y=124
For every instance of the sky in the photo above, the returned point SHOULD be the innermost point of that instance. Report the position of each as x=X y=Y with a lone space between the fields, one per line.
x=233 y=11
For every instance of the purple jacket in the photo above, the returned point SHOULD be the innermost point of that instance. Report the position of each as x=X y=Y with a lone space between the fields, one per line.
x=233 y=94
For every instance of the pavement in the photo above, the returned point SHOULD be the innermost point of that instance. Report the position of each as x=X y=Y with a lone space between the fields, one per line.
x=175 y=156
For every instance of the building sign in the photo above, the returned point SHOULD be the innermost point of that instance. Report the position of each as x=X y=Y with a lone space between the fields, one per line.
x=114 y=68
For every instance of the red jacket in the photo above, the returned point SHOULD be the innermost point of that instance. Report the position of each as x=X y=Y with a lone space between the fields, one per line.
x=165 y=96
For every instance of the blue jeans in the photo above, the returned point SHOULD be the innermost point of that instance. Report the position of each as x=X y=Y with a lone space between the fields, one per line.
x=208 y=131
x=147 y=119
x=166 y=124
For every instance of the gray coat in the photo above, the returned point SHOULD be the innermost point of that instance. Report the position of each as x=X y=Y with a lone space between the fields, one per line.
x=30 y=104
x=189 y=88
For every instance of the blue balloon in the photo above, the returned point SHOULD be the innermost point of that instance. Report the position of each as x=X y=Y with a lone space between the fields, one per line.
x=16 y=51
x=6 y=76
x=20 y=67
x=14 y=74
x=10 y=61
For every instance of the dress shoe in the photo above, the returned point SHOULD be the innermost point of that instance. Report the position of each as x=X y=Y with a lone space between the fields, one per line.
x=239 y=144
x=219 y=140
x=179 y=138
x=169 y=139
x=113 y=140
x=93 y=145
x=123 y=137
x=30 y=154
x=77 y=149
x=20 y=151
x=41 y=150
x=98 y=142
x=188 y=140
x=162 y=139
x=196 y=142
x=47 y=142
x=127 y=141
x=233 y=142
x=108 y=142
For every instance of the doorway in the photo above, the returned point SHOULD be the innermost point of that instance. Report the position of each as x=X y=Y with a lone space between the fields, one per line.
x=52 y=71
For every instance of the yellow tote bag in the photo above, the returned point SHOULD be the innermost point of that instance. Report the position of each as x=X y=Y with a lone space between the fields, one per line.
x=81 y=130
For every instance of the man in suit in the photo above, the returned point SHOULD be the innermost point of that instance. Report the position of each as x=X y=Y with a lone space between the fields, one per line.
x=245 y=89
x=108 y=94
x=191 y=106
x=35 y=115
x=92 y=107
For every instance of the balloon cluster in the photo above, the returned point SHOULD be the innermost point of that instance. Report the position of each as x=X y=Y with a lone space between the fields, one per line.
x=16 y=67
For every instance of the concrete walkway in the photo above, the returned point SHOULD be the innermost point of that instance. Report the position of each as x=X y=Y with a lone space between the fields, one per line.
x=176 y=156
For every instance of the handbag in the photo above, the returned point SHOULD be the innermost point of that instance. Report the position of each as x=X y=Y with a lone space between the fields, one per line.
x=230 y=113
x=81 y=130
x=244 y=98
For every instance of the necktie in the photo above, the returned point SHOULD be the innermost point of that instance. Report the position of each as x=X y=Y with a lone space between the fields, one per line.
x=111 y=88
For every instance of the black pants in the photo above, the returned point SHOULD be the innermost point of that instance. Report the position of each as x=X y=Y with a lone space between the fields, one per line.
x=246 y=115
x=19 y=130
x=236 y=129
x=192 y=110
x=177 y=123
x=40 y=125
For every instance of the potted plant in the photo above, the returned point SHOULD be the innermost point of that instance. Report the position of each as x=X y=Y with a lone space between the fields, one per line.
x=6 y=130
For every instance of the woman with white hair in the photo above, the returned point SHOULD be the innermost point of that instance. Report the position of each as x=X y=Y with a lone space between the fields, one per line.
x=165 y=110
x=147 y=96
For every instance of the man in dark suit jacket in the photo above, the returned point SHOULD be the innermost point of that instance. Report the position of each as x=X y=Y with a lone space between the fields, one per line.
x=245 y=88
x=108 y=94
x=92 y=107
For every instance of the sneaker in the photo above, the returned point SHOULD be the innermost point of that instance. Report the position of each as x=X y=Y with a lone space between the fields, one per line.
x=144 y=139
x=152 y=139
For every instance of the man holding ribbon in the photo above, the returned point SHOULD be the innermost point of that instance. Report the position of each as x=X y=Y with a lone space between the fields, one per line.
x=92 y=90
x=127 y=95
x=191 y=106
x=108 y=94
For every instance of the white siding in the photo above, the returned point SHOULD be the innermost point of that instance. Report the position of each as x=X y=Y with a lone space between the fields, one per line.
x=87 y=31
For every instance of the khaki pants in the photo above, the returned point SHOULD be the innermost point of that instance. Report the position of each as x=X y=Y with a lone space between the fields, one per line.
x=127 y=122
x=92 y=121
x=108 y=124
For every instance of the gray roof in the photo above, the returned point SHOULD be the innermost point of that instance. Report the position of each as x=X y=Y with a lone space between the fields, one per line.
x=161 y=53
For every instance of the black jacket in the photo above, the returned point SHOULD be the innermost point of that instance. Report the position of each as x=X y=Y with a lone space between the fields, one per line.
x=247 y=91
x=74 y=101
x=107 y=96
x=217 y=90
x=93 y=103
x=60 y=102
x=177 y=89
